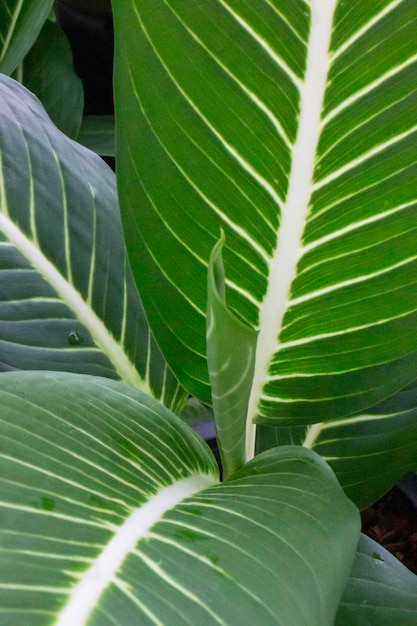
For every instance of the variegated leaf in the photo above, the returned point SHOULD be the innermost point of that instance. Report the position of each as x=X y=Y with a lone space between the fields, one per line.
x=67 y=297
x=291 y=126
x=111 y=512
x=20 y=23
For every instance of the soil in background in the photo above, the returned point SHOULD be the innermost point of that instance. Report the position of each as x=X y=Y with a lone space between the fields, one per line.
x=392 y=522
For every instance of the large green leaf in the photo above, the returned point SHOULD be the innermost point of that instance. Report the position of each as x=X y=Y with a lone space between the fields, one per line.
x=292 y=126
x=20 y=23
x=67 y=297
x=48 y=72
x=111 y=515
x=380 y=591
x=369 y=452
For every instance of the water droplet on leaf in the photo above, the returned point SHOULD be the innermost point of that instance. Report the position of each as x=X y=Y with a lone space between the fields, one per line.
x=74 y=339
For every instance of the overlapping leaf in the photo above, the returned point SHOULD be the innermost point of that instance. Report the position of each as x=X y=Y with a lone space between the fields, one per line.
x=20 y=23
x=380 y=590
x=369 y=452
x=97 y=132
x=48 y=72
x=292 y=127
x=67 y=297
x=109 y=515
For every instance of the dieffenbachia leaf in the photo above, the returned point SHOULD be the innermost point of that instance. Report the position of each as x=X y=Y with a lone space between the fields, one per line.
x=194 y=413
x=380 y=590
x=292 y=126
x=20 y=23
x=369 y=452
x=112 y=513
x=67 y=297
x=97 y=133
x=48 y=72
x=230 y=355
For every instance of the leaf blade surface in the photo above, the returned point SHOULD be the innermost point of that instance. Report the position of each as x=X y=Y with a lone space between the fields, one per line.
x=380 y=589
x=88 y=475
x=20 y=23
x=68 y=300
x=299 y=153
x=48 y=72
x=369 y=452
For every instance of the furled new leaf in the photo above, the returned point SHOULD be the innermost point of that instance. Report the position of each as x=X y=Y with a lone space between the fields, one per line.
x=230 y=356
x=111 y=513
x=20 y=23
x=67 y=297
x=292 y=126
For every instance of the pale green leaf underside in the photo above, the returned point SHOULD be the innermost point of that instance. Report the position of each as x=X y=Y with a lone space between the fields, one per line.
x=105 y=469
x=20 y=23
x=67 y=297
x=290 y=125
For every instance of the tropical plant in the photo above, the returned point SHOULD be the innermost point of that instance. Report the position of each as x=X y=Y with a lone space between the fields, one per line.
x=266 y=159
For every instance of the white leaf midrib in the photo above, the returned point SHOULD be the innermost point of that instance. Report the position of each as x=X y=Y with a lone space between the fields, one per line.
x=73 y=299
x=295 y=210
x=87 y=592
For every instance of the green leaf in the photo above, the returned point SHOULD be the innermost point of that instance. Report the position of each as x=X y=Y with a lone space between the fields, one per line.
x=67 y=300
x=369 y=452
x=380 y=590
x=194 y=412
x=109 y=515
x=20 y=23
x=230 y=355
x=97 y=133
x=48 y=72
x=292 y=127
